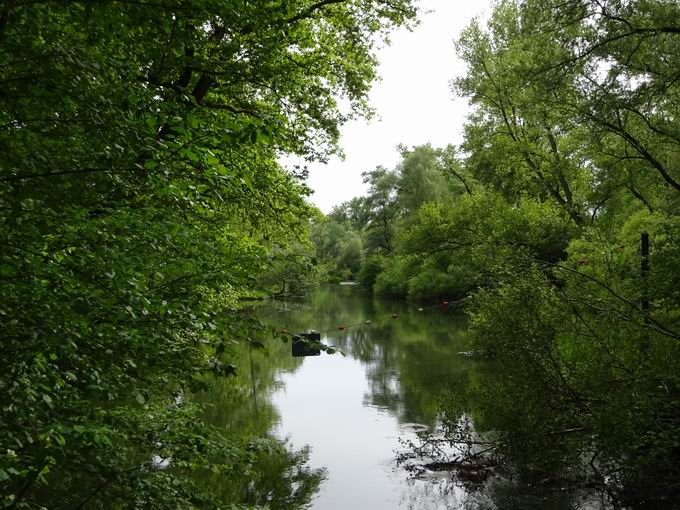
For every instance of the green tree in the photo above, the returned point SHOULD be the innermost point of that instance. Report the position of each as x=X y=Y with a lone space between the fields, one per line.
x=572 y=119
x=353 y=211
x=290 y=271
x=421 y=179
x=140 y=197
x=623 y=56
x=383 y=208
x=425 y=176
x=520 y=139
x=338 y=247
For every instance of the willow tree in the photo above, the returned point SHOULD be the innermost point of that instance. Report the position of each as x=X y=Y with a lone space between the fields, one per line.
x=140 y=194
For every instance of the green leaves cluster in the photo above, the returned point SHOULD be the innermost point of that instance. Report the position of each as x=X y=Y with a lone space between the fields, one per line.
x=363 y=235
x=573 y=132
x=140 y=197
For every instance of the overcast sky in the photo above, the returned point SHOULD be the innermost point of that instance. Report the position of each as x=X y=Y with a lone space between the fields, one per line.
x=414 y=102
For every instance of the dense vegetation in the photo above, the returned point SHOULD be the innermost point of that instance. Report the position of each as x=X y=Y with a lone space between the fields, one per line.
x=540 y=220
x=140 y=198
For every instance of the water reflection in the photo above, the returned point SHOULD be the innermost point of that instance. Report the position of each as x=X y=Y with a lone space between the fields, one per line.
x=408 y=360
x=356 y=410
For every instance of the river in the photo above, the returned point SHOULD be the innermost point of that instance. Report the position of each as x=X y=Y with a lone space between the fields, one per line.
x=355 y=409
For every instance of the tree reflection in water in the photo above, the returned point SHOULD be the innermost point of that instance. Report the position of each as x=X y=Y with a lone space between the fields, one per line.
x=278 y=476
x=414 y=374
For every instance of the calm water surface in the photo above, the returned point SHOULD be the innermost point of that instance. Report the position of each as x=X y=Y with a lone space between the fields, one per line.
x=353 y=410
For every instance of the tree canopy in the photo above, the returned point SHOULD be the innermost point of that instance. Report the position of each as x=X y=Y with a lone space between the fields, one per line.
x=141 y=196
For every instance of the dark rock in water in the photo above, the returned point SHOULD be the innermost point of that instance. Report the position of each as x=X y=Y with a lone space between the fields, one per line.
x=306 y=344
x=474 y=476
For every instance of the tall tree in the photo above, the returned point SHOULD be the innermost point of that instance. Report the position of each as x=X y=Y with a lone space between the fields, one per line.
x=576 y=108
x=383 y=207
x=421 y=179
x=519 y=137
x=579 y=93
x=140 y=194
x=625 y=57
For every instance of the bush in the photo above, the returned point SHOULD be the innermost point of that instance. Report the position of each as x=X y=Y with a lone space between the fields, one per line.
x=455 y=283
x=371 y=267
x=393 y=281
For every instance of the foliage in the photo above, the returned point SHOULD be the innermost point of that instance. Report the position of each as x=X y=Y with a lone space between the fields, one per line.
x=478 y=241
x=424 y=176
x=290 y=271
x=393 y=280
x=570 y=157
x=382 y=207
x=584 y=328
x=141 y=195
x=371 y=267
x=433 y=280
x=338 y=248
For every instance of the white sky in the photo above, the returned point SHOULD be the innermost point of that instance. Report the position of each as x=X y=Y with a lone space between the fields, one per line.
x=414 y=102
